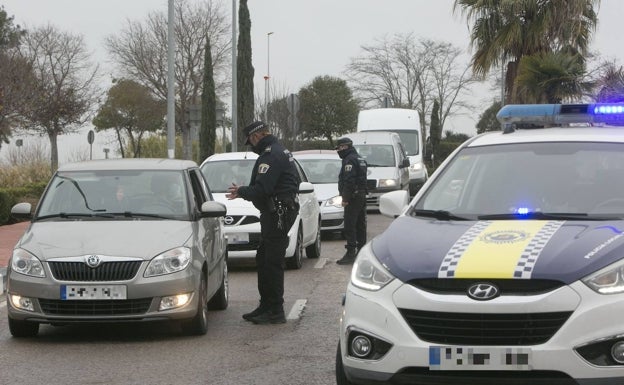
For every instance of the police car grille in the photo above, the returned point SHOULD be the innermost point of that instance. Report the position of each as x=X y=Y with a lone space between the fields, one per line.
x=95 y=307
x=106 y=271
x=484 y=329
x=458 y=286
x=238 y=220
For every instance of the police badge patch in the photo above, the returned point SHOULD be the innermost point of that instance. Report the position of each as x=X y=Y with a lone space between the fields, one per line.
x=348 y=167
x=263 y=168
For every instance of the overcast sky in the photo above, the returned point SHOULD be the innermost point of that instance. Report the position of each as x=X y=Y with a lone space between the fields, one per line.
x=310 y=37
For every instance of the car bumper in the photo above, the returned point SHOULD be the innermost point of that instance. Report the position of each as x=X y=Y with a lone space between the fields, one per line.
x=557 y=361
x=332 y=218
x=141 y=304
x=242 y=250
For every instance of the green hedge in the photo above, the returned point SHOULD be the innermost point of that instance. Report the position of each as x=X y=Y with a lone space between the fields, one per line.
x=13 y=195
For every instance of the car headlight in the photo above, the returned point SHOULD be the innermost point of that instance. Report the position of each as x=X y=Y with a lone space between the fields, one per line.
x=334 y=201
x=169 y=262
x=368 y=273
x=416 y=167
x=25 y=263
x=609 y=280
x=388 y=183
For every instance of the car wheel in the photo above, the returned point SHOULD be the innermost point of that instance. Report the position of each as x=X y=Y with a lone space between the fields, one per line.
x=314 y=250
x=341 y=377
x=198 y=325
x=219 y=300
x=23 y=328
x=295 y=262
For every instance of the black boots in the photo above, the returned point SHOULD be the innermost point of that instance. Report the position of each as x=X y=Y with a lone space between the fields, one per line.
x=348 y=258
x=269 y=316
x=256 y=312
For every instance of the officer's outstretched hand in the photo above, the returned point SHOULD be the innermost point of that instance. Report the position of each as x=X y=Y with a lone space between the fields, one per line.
x=232 y=192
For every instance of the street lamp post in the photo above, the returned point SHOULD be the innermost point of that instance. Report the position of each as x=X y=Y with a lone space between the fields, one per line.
x=266 y=82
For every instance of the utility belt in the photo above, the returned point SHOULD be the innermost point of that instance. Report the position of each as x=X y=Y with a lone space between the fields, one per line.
x=283 y=203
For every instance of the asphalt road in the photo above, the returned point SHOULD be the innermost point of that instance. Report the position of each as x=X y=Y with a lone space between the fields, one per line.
x=234 y=351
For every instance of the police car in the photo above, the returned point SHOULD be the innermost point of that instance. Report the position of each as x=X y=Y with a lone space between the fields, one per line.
x=506 y=268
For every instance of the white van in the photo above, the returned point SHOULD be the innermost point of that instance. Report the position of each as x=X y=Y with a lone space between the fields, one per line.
x=387 y=163
x=406 y=123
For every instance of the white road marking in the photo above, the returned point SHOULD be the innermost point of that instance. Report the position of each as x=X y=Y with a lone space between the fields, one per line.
x=295 y=311
x=321 y=263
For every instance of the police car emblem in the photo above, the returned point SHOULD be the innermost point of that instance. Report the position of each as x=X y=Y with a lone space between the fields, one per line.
x=507 y=236
x=92 y=260
x=348 y=167
x=228 y=220
x=483 y=291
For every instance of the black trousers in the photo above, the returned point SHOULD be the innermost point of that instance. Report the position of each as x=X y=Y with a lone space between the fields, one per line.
x=270 y=257
x=355 y=222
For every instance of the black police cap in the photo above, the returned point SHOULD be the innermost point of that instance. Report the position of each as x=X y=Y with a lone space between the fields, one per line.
x=253 y=127
x=342 y=141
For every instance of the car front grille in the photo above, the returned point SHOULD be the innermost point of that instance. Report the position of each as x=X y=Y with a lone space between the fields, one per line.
x=458 y=286
x=372 y=201
x=371 y=184
x=331 y=222
x=484 y=329
x=95 y=307
x=239 y=220
x=106 y=271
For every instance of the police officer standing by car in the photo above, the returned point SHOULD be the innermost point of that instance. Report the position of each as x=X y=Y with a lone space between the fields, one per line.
x=273 y=191
x=352 y=188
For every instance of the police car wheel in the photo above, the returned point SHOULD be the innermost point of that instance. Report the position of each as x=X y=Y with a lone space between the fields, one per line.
x=295 y=262
x=314 y=250
x=341 y=377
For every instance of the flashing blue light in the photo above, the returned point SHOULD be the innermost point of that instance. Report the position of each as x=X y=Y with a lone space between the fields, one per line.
x=607 y=109
x=522 y=210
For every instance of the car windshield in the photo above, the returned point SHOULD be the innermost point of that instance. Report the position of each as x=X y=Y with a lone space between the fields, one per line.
x=321 y=171
x=376 y=155
x=115 y=193
x=221 y=174
x=410 y=141
x=563 y=180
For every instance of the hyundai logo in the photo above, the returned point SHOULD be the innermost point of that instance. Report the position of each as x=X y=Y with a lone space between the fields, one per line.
x=228 y=220
x=483 y=291
x=92 y=260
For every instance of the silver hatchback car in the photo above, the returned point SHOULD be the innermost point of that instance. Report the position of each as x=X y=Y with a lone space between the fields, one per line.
x=120 y=240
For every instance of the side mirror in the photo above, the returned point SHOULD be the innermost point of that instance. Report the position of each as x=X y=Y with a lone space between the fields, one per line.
x=212 y=209
x=405 y=163
x=393 y=203
x=21 y=211
x=306 y=188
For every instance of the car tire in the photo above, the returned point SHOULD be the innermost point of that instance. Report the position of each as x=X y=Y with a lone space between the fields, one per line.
x=220 y=299
x=198 y=325
x=21 y=329
x=314 y=250
x=295 y=262
x=341 y=377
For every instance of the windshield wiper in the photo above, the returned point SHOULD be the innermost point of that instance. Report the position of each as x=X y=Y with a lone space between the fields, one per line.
x=74 y=215
x=439 y=214
x=542 y=215
x=130 y=214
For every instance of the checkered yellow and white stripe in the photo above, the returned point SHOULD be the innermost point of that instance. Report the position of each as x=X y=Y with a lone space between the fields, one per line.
x=498 y=249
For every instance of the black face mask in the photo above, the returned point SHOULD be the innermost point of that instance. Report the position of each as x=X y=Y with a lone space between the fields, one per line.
x=255 y=149
x=343 y=153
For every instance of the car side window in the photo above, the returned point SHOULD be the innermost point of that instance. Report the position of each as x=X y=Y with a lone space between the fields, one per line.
x=200 y=191
x=302 y=176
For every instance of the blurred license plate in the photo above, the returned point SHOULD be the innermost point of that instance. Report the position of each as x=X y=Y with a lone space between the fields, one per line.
x=74 y=292
x=479 y=358
x=238 y=238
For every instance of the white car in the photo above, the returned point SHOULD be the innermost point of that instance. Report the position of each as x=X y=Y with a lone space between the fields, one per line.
x=242 y=222
x=507 y=267
x=322 y=168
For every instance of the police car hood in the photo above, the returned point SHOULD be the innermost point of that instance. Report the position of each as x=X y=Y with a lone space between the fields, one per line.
x=416 y=248
x=324 y=191
x=140 y=239
x=237 y=206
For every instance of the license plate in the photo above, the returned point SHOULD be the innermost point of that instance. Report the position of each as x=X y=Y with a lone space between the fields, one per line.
x=238 y=238
x=86 y=292
x=479 y=358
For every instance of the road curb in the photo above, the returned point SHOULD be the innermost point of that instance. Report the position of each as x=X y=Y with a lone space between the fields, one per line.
x=3 y=271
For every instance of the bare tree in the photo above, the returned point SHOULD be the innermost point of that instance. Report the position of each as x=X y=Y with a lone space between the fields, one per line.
x=65 y=83
x=140 y=51
x=410 y=73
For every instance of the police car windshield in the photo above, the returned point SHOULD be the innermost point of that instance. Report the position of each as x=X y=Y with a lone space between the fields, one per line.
x=222 y=173
x=570 y=180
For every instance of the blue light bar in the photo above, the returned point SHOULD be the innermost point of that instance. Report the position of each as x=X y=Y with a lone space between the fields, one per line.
x=549 y=115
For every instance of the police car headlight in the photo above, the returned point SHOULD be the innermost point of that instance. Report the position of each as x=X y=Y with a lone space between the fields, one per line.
x=416 y=167
x=334 y=201
x=368 y=273
x=25 y=263
x=609 y=280
x=169 y=262
x=388 y=183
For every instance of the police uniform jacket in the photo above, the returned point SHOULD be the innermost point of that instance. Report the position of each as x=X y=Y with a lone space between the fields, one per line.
x=273 y=177
x=352 y=177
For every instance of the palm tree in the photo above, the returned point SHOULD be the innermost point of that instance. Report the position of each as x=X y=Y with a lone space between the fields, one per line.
x=610 y=83
x=505 y=31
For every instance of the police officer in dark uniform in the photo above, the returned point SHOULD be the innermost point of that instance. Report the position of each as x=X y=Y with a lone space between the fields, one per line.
x=352 y=188
x=273 y=191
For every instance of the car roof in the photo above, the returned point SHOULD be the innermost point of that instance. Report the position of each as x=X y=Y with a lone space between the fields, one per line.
x=372 y=137
x=554 y=134
x=231 y=156
x=316 y=154
x=129 y=164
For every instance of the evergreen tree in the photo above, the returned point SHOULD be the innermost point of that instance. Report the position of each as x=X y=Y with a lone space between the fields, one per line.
x=244 y=72
x=207 y=131
x=435 y=132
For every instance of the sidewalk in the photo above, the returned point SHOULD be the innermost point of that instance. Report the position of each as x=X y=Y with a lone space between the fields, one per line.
x=9 y=234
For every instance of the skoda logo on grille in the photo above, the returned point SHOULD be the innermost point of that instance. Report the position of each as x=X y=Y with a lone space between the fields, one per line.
x=228 y=220
x=92 y=260
x=483 y=291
